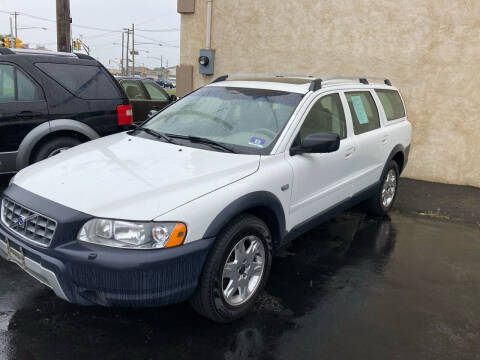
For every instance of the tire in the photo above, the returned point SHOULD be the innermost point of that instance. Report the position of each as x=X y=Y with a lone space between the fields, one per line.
x=54 y=146
x=209 y=299
x=376 y=204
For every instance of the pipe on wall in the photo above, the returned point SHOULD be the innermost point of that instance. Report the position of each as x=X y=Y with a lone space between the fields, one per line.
x=208 y=42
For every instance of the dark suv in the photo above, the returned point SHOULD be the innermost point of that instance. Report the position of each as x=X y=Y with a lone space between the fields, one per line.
x=51 y=101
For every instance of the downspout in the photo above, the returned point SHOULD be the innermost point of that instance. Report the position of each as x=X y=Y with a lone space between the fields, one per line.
x=208 y=42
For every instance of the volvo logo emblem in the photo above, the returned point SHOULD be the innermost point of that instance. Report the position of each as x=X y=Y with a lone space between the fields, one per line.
x=22 y=220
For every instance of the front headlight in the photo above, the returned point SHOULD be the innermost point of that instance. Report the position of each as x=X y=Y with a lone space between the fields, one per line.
x=133 y=235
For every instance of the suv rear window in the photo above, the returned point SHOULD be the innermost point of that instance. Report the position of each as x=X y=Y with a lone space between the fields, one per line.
x=392 y=104
x=85 y=81
x=364 y=111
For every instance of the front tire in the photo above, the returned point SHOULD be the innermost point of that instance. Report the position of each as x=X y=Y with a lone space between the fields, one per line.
x=383 y=200
x=236 y=270
x=54 y=147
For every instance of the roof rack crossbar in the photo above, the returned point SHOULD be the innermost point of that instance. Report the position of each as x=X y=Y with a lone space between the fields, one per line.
x=317 y=84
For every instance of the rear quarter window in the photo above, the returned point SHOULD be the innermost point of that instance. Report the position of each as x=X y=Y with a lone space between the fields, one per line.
x=392 y=104
x=88 y=82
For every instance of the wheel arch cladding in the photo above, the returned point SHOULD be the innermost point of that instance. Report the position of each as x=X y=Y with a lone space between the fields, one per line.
x=262 y=204
x=398 y=155
x=41 y=131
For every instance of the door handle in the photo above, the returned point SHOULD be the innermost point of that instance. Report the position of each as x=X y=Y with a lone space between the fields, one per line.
x=27 y=114
x=349 y=152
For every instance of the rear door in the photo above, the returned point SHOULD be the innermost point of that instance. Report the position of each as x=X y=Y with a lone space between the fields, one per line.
x=369 y=139
x=22 y=108
x=139 y=99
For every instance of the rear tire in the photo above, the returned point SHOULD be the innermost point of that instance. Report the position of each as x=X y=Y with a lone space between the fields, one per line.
x=383 y=200
x=54 y=146
x=236 y=270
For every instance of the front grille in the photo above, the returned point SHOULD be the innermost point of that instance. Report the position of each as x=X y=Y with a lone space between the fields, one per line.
x=27 y=223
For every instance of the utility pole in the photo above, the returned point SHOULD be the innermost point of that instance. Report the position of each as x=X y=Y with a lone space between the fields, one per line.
x=64 y=21
x=123 y=54
x=128 y=45
x=133 y=49
x=11 y=28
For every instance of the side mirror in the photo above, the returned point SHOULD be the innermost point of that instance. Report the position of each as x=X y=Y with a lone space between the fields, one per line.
x=317 y=143
x=173 y=97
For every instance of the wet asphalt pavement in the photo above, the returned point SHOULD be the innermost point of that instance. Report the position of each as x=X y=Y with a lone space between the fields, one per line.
x=403 y=287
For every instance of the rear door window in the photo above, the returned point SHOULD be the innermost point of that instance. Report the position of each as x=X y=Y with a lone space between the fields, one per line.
x=134 y=90
x=392 y=104
x=155 y=91
x=364 y=111
x=7 y=83
x=84 y=81
x=16 y=86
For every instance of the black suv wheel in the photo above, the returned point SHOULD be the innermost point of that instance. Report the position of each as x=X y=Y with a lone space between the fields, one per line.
x=54 y=147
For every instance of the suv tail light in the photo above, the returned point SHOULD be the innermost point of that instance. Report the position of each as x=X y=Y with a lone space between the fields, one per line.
x=124 y=115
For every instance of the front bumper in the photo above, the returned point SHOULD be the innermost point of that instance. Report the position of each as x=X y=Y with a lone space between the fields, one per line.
x=87 y=274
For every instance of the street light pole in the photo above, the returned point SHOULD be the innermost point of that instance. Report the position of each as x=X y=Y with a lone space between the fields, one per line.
x=123 y=40
x=128 y=44
x=16 y=31
x=133 y=49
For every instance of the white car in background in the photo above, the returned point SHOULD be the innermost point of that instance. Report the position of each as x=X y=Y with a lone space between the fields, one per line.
x=192 y=204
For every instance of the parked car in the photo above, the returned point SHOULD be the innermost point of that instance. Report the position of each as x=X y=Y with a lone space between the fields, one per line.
x=50 y=102
x=193 y=203
x=145 y=95
x=165 y=83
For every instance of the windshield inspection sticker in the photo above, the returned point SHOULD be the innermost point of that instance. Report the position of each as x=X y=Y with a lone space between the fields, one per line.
x=359 y=110
x=257 y=141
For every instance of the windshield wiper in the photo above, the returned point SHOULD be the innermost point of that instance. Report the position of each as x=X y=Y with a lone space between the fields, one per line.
x=200 y=140
x=156 y=134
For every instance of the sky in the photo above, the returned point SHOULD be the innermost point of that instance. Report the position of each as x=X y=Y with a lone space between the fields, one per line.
x=100 y=24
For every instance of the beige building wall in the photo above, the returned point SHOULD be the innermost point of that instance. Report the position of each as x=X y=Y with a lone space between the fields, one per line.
x=429 y=49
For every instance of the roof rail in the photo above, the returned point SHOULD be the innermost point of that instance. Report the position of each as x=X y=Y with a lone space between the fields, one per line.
x=220 y=78
x=318 y=83
x=41 y=52
x=6 y=51
x=84 y=56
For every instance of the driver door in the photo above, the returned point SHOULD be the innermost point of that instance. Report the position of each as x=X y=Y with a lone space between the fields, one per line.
x=321 y=181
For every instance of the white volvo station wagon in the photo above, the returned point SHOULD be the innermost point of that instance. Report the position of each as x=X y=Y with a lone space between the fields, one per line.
x=192 y=203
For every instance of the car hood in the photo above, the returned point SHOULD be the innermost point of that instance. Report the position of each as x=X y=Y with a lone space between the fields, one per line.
x=127 y=177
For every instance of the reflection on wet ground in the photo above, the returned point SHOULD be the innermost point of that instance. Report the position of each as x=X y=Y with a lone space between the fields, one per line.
x=356 y=287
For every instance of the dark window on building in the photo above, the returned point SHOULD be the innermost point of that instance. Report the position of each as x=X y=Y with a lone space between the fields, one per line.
x=84 y=81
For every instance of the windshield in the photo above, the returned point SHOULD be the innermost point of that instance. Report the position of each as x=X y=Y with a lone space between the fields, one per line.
x=248 y=120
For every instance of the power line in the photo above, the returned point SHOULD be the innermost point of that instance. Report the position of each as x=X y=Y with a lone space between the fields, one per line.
x=90 y=27
x=156 y=41
x=159 y=30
